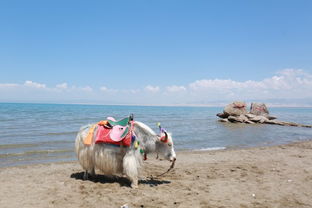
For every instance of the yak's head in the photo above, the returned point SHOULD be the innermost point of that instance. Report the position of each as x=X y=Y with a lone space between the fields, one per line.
x=164 y=146
x=162 y=143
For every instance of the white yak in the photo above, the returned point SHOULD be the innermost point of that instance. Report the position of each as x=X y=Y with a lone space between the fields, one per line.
x=119 y=159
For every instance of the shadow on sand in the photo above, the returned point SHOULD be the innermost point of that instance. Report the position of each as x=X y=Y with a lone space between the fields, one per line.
x=117 y=179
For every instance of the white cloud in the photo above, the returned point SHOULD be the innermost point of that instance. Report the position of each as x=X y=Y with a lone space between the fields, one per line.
x=132 y=91
x=285 y=84
x=214 y=84
x=106 y=89
x=288 y=83
x=87 y=89
x=8 y=85
x=175 y=88
x=152 y=89
x=286 y=79
x=34 y=84
x=62 y=86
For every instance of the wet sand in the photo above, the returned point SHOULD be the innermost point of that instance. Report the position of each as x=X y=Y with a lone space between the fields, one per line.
x=278 y=176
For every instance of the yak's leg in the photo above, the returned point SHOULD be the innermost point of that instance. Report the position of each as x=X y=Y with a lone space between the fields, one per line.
x=86 y=174
x=130 y=169
x=92 y=172
x=134 y=183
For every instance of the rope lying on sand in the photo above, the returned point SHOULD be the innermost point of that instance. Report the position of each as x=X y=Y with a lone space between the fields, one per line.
x=170 y=168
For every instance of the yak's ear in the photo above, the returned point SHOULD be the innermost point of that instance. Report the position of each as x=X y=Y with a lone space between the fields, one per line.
x=164 y=138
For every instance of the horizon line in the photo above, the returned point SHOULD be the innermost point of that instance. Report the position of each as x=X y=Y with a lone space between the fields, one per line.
x=270 y=105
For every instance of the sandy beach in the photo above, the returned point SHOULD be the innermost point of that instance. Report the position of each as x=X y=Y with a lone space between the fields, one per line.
x=278 y=176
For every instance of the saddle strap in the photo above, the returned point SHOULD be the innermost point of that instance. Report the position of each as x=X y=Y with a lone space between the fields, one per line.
x=89 y=138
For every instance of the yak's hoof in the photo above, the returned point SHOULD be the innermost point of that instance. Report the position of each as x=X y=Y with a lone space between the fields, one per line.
x=134 y=185
x=85 y=176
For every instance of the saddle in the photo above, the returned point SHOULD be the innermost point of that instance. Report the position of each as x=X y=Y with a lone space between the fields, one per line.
x=111 y=131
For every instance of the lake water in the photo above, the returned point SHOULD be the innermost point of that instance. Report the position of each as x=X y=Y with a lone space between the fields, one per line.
x=39 y=133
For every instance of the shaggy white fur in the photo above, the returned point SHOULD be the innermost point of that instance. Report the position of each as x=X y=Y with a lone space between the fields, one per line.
x=121 y=160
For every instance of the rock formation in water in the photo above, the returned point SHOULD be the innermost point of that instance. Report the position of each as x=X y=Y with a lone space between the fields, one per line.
x=236 y=112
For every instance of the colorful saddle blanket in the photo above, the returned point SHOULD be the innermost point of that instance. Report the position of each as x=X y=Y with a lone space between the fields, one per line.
x=111 y=131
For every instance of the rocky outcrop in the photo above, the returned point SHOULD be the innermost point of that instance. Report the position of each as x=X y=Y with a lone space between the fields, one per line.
x=236 y=108
x=236 y=112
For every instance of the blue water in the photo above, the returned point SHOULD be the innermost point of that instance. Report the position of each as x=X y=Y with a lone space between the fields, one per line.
x=39 y=133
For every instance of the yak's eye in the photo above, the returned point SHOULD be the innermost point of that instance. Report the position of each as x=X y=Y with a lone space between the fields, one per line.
x=169 y=144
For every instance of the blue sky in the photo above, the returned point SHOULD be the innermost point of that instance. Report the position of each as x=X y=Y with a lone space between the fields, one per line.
x=156 y=52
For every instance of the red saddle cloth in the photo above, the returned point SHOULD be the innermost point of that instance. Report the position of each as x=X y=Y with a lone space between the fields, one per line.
x=104 y=135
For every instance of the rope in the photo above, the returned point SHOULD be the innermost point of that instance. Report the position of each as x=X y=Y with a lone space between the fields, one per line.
x=170 y=168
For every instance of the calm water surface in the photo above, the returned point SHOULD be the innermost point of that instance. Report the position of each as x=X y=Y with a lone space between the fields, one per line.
x=39 y=133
